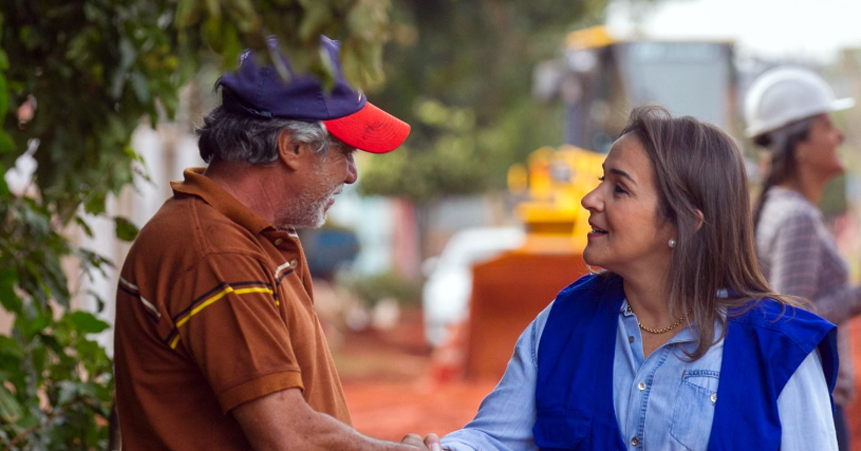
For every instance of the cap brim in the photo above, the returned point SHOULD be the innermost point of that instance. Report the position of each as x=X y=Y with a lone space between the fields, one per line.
x=842 y=104
x=370 y=129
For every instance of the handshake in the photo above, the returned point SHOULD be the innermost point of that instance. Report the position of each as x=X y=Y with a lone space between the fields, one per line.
x=430 y=442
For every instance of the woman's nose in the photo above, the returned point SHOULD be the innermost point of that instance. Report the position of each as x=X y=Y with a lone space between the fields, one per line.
x=592 y=201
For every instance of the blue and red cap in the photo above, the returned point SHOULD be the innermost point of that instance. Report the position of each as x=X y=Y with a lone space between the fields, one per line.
x=260 y=91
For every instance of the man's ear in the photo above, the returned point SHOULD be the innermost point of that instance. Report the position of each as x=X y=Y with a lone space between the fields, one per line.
x=290 y=153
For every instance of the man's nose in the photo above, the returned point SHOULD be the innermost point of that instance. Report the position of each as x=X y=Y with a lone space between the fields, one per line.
x=352 y=172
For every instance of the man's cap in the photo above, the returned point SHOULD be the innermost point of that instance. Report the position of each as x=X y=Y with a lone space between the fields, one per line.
x=260 y=91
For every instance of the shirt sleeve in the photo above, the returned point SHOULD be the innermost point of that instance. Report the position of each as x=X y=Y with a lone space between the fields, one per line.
x=796 y=267
x=506 y=416
x=806 y=418
x=227 y=322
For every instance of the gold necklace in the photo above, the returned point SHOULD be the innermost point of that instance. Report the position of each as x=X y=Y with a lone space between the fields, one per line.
x=656 y=331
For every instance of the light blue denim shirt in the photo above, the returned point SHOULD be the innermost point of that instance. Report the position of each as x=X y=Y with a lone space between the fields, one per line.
x=650 y=402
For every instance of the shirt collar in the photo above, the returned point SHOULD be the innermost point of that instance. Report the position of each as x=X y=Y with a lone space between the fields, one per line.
x=688 y=334
x=199 y=185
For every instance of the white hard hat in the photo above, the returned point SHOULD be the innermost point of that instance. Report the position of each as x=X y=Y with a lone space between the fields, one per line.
x=787 y=94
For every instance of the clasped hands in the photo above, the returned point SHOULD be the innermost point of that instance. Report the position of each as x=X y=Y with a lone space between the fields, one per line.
x=430 y=442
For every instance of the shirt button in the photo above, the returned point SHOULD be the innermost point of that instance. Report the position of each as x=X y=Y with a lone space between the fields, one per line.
x=641 y=386
x=635 y=441
x=713 y=397
x=278 y=241
x=631 y=339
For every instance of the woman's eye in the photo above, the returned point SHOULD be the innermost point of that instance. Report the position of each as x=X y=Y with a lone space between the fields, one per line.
x=619 y=190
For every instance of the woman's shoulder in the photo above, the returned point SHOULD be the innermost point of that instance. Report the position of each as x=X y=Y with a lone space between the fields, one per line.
x=783 y=204
x=790 y=321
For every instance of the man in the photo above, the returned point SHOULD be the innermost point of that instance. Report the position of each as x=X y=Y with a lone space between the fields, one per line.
x=217 y=344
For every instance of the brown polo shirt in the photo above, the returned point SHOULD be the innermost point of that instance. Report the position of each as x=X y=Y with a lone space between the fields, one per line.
x=214 y=309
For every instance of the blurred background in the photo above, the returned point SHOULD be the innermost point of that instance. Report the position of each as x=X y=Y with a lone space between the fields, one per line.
x=429 y=268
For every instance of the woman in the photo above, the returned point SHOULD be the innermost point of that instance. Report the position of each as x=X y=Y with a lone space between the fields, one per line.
x=633 y=358
x=787 y=113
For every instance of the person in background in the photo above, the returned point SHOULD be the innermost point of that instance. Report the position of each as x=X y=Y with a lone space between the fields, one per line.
x=679 y=344
x=787 y=112
x=218 y=346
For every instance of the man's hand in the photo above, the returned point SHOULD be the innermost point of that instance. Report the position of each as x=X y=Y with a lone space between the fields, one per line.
x=431 y=442
x=284 y=421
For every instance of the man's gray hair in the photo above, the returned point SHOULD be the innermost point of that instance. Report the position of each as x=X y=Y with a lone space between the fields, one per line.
x=242 y=138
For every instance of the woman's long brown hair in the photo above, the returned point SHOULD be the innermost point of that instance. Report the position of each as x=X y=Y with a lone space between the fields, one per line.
x=699 y=168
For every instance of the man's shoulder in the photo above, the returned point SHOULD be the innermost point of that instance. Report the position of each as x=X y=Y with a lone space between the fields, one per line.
x=191 y=225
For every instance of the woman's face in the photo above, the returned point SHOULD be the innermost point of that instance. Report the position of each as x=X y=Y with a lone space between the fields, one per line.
x=818 y=153
x=628 y=234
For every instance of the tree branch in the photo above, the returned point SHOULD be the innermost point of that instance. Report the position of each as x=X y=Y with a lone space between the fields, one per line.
x=35 y=428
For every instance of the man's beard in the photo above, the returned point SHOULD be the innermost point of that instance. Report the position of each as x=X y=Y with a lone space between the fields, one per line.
x=308 y=211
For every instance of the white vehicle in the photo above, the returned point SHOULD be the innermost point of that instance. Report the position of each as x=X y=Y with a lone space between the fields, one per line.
x=447 y=291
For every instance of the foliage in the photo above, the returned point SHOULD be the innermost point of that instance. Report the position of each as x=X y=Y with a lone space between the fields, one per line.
x=460 y=73
x=93 y=69
x=451 y=164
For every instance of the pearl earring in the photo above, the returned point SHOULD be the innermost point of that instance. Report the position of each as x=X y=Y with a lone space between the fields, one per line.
x=672 y=243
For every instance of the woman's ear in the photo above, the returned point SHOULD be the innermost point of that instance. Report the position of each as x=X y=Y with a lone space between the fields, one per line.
x=289 y=152
x=700 y=219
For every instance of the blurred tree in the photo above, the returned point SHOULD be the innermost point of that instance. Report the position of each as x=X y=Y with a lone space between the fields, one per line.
x=461 y=75
x=76 y=78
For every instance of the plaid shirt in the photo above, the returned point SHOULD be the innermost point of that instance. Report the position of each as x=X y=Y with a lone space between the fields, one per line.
x=798 y=256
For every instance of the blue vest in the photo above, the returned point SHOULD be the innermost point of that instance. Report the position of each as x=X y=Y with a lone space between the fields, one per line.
x=762 y=350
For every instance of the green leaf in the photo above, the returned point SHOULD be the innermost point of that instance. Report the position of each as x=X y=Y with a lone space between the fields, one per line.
x=68 y=391
x=38 y=324
x=10 y=410
x=84 y=226
x=140 y=87
x=128 y=55
x=231 y=45
x=100 y=303
x=8 y=298
x=187 y=13
x=317 y=15
x=10 y=348
x=40 y=358
x=214 y=8
x=4 y=97
x=96 y=204
x=246 y=18
x=4 y=187
x=129 y=151
x=86 y=322
x=6 y=143
x=212 y=32
x=126 y=231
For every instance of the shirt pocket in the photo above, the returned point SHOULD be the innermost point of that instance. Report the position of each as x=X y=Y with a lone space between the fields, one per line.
x=694 y=408
x=561 y=430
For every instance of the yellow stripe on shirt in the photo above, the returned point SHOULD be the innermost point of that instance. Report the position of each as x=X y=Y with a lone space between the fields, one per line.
x=211 y=301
